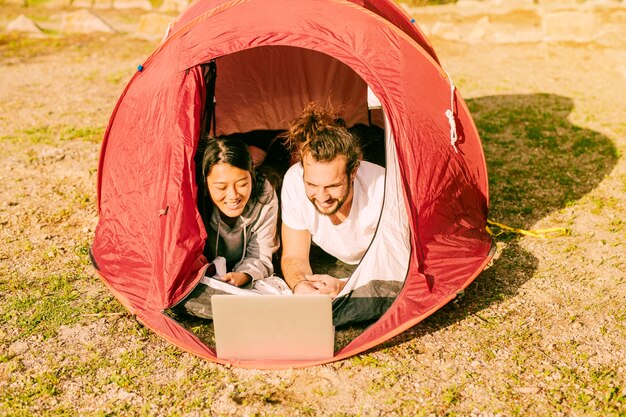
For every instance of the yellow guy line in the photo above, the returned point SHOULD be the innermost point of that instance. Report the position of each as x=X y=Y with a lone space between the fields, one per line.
x=540 y=233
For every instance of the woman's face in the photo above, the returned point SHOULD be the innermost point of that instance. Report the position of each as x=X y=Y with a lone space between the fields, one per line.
x=230 y=188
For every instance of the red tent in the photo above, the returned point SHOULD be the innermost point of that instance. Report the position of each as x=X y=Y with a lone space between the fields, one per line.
x=273 y=57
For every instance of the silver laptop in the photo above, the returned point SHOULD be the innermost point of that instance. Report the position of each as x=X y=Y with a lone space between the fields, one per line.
x=273 y=327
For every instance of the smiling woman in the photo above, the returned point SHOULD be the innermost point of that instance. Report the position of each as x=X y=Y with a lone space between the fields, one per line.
x=230 y=185
x=239 y=209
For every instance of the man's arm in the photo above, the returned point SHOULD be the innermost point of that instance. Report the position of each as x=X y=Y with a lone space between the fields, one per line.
x=297 y=268
x=295 y=259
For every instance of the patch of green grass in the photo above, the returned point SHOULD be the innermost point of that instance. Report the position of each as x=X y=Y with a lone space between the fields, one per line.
x=86 y=133
x=37 y=135
x=326 y=392
x=616 y=226
x=22 y=47
x=59 y=216
x=259 y=395
x=114 y=408
x=82 y=251
x=52 y=134
x=172 y=355
x=19 y=398
x=34 y=3
x=200 y=403
x=46 y=384
x=89 y=364
x=598 y=394
x=42 y=307
x=14 y=45
x=114 y=78
x=601 y=203
x=620 y=315
x=117 y=77
x=366 y=360
x=123 y=379
x=156 y=4
x=622 y=179
x=451 y=395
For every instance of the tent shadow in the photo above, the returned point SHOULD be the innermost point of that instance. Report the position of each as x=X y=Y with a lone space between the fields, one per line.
x=538 y=162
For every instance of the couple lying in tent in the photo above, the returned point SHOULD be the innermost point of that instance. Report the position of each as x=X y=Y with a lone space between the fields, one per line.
x=331 y=197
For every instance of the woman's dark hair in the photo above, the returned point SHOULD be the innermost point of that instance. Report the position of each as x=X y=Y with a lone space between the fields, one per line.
x=224 y=150
x=319 y=133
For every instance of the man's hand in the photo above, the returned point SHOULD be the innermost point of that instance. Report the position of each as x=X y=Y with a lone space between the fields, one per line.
x=237 y=278
x=306 y=287
x=320 y=284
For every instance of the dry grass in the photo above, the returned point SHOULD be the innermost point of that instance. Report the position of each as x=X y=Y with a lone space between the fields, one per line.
x=541 y=332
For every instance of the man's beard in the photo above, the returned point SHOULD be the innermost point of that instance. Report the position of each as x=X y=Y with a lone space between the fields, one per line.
x=338 y=203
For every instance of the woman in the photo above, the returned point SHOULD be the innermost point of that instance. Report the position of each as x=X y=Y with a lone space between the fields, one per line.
x=239 y=208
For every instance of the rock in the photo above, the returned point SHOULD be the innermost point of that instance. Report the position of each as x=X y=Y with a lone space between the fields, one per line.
x=53 y=4
x=507 y=4
x=479 y=30
x=470 y=3
x=17 y=348
x=446 y=30
x=153 y=26
x=132 y=4
x=102 y=4
x=82 y=4
x=522 y=35
x=173 y=5
x=83 y=21
x=528 y=390
x=594 y=3
x=569 y=26
x=558 y=2
x=23 y=24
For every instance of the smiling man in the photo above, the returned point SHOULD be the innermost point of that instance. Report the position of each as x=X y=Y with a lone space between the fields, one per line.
x=330 y=198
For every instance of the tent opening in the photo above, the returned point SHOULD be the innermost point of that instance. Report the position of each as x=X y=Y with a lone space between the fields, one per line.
x=254 y=94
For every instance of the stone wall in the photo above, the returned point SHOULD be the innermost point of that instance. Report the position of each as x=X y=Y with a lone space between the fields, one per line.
x=472 y=21
x=523 y=21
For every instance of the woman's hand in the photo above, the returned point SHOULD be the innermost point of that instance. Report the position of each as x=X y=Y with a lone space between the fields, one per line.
x=237 y=278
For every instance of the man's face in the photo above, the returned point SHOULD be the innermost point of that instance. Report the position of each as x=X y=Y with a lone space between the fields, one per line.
x=327 y=185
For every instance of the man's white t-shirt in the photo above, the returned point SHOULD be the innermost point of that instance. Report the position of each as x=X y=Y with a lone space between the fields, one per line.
x=348 y=240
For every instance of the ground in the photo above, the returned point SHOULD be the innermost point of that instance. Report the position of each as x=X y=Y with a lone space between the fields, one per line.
x=540 y=332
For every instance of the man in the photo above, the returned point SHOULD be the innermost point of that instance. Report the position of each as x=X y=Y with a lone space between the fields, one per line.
x=330 y=197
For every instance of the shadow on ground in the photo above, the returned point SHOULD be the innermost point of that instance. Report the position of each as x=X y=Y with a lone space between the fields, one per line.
x=538 y=162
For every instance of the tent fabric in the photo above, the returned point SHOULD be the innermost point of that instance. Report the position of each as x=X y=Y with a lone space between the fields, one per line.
x=255 y=83
x=284 y=53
